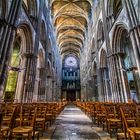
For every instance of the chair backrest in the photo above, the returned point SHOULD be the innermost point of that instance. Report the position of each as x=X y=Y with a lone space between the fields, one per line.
x=138 y=114
x=27 y=115
x=110 y=111
x=98 y=107
x=41 y=111
x=138 y=110
x=9 y=115
x=129 y=110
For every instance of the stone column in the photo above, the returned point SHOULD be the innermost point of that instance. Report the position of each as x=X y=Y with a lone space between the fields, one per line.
x=99 y=86
x=36 y=47
x=82 y=92
x=49 y=89
x=64 y=95
x=29 y=78
x=53 y=90
x=35 y=95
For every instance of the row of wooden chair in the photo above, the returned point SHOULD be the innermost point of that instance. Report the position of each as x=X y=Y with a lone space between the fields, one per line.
x=29 y=120
x=121 y=119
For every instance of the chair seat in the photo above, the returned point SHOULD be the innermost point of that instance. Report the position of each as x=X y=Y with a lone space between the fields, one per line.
x=135 y=130
x=113 y=120
x=40 y=119
x=122 y=135
x=4 y=128
x=49 y=114
x=22 y=129
x=101 y=115
x=5 y=118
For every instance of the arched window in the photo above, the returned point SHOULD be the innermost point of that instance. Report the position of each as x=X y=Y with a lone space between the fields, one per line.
x=20 y=70
x=117 y=6
x=93 y=49
x=71 y=61
x=49 y=49
x=100 y=35
x=26 y=4
x=95 y=84
x=13 y=72
x=125 y=66
x=3 y=9
x=113 y=9
x=125 y=49
x=31 y=8
x=43 y=34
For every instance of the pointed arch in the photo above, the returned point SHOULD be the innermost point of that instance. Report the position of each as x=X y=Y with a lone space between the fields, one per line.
x=31 y=6
x=100 y=34
x=19 y=74
x=49 y=69
x=103 y=59
x=3 y=9
x=41 y=57
x=43 y=34
x=124 y=63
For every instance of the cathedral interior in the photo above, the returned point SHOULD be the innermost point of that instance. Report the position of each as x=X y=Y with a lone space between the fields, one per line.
x=70 y=69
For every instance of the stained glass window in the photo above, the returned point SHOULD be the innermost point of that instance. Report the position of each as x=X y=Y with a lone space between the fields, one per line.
x=71 y=61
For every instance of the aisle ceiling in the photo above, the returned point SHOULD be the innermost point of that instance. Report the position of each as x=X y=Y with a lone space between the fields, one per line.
x=70 y=19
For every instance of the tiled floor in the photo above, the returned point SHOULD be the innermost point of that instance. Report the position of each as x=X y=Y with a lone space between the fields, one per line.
x=73 y=124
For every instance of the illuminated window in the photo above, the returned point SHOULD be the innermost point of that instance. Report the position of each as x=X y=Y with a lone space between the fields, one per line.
x=71 y=61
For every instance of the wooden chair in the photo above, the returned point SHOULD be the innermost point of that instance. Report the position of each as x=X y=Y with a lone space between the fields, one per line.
x=7 y=120
x=40 y=118
x=129 y=111
x=113 y=120
x=26 y=130
x=49 y=116
x=99 y=114
x=138 y=115
x=132 y=132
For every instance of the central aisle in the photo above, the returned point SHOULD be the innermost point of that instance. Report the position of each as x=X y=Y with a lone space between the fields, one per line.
x=73 y=124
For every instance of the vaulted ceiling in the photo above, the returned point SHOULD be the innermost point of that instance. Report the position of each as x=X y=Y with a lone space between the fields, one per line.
x=70 y=19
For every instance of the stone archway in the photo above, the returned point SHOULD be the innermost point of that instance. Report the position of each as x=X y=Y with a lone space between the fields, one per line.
x=22 y=84
x=93 y=50
x=14 y=68
x=113 y=9
x=100 y=34
x=125 y=69
x=43 y=34
x=31 y=7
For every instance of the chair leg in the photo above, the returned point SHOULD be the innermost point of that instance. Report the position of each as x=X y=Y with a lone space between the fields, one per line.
x=30 y=136
x=38 y=136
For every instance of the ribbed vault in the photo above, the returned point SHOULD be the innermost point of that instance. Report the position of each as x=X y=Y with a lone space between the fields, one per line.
x=70 y=19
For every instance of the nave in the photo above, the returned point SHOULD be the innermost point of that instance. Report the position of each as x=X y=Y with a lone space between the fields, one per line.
x=73 y=124
x=57 y=52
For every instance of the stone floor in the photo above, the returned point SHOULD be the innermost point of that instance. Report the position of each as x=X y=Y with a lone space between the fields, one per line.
x=73 y=124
